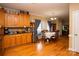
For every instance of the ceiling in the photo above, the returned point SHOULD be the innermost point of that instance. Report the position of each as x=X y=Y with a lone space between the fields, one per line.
x=42 y=9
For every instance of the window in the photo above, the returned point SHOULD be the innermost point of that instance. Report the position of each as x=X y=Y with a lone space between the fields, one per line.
x=39 y=29
x=43 y=26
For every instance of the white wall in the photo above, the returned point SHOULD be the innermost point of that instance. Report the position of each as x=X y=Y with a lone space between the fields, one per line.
x=58 y=25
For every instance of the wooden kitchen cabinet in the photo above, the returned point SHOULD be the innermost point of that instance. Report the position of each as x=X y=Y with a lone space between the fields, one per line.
x=11 y=20
x=27 y=20
x=2 y=19
x=29 y=37
x=24 y=38
x=8 y=41
x=6 y=20
x=17 y=20
x=12 y=41
x=24 y=20
x=15 y=40
x=2 y=16
x=20 y=21
x=18 y=39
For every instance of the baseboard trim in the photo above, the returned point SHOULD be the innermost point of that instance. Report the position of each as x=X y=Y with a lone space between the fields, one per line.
x=71 y=49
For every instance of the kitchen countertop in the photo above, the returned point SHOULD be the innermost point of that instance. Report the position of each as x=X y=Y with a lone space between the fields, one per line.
x=18 y=33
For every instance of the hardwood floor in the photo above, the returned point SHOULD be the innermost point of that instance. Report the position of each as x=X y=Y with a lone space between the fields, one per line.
x=57 y=48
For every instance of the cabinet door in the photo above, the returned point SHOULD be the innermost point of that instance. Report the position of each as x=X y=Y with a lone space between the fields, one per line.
x=24 y=38
x=6 y=19
x=6 y=42
x=2 y=17
x=18 y=40
x=20 y=22
x=12 y=41
x=16 y=20
x=26 y=20
x=29 y=37
x=9 y=20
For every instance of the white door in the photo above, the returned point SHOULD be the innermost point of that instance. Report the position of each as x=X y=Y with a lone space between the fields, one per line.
x=75 y=31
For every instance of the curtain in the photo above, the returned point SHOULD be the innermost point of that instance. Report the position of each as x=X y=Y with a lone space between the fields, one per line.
x=49 y=23
x=37 y=22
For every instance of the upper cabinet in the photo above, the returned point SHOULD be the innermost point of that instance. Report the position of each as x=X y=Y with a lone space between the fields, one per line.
x=24 y=20
x=2 y=17
x=11 y=20
x=20 y=21
x=17 y=20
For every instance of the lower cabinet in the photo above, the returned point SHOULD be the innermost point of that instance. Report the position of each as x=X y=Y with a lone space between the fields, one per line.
x=24 y=38
x=8 y=41
x=29 y=38
x=14 y=40
x=18 y=39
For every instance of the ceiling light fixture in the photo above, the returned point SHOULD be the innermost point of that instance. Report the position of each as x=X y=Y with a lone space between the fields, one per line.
x=52 y=18
x=55 y=18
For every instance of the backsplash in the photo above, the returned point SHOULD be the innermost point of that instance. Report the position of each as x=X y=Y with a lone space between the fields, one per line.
x=17 y=30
